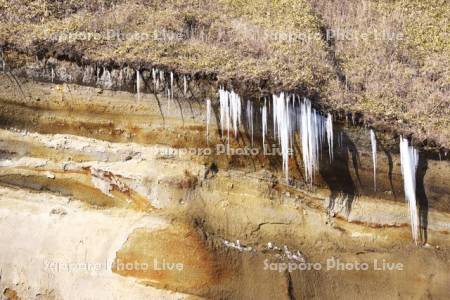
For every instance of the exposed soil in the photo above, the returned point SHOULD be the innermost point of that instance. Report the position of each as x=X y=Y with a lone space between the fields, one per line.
x=128 y=198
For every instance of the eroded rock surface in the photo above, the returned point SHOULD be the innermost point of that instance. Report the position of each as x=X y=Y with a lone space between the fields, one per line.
x=97 y=178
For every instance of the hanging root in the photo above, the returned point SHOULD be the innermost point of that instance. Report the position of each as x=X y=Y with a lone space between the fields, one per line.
x=16 y=82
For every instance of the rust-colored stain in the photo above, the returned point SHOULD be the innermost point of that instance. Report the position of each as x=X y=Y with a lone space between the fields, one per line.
x=78 y=183
x=189 y=181
x=10 y=294
x=373 y=225
x=175 y=258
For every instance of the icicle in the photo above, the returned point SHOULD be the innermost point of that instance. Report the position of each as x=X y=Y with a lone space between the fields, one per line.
x=97 y=76
x=185 y=85
x=230 y=111
x=235 y=110
x=409 y=161
x=3 y=60
x=120 y=75
x=109 y=78
x=283 y=126
x=311 y=133
x=157 y=78
x=171 y=85
x=138 y=84
x=304 y=132
x=264 y=123
x=106 y=79
x=274 y=115
x=154 y=76
x=373 y=141
x=208 y=117
x=329 y=129
x=223 y=99
x=169 y=100
x=169 y=93
x=250 y=117
x=53 y=75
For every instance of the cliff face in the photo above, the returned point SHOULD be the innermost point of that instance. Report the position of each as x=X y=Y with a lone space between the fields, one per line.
x=109 y=184
x=116 y=183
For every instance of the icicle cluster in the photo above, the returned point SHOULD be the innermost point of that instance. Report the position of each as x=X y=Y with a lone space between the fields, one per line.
x=106 y=79
x=373 y=141
x=230 y=111
x=158 y=78
x=409 y=159
x=282 y=127
x=313 y=129
x=290 y=115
